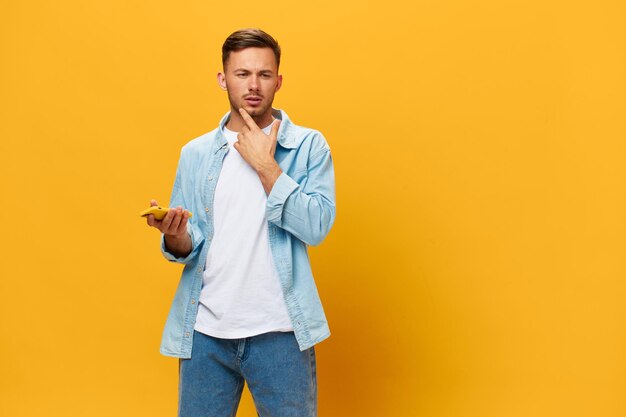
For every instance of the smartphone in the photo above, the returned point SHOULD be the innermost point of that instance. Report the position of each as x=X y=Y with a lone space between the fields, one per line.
x=158 y=211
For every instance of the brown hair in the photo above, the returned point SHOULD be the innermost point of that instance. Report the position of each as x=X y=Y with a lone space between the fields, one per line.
x=249 y=38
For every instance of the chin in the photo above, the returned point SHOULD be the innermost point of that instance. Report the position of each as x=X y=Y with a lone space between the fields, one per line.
x=256 y=112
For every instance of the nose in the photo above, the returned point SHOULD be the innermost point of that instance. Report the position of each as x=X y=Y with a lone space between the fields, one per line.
x=253 y=83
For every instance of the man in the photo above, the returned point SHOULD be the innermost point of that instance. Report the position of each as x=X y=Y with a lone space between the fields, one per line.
x=260 y=189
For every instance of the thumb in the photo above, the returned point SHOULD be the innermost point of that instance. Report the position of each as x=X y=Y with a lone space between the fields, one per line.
x=275 y=126
x=153 y=203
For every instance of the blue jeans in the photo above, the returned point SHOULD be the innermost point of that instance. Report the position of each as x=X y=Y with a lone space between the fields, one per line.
x=281 y=378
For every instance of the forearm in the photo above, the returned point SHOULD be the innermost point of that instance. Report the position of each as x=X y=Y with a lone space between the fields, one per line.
x=307 y=217
x=178 y=245
x=268 y=174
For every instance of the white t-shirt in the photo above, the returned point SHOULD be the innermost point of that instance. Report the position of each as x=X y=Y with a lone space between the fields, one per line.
x=241 y=294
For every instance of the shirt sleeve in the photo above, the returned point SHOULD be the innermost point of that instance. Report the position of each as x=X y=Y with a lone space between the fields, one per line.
x=307 y=211
x=181 y=183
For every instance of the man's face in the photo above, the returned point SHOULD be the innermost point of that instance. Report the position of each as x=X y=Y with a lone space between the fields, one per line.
x=251 y=79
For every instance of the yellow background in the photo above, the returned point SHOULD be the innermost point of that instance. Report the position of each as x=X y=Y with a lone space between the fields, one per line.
x=476 y=267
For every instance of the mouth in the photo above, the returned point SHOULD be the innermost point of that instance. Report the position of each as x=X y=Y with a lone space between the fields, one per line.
x=253 y=100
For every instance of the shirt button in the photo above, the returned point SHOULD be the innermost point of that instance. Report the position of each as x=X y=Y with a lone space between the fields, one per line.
x=210 y=178
x=186 y=334
x=193 y=301
x=207 y=209
x=199 y=269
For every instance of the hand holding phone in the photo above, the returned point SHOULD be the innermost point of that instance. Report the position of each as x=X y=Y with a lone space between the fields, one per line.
x=170 y=221
x=159 y=212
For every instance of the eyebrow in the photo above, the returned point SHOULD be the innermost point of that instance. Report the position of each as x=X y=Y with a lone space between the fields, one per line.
x=262 y=71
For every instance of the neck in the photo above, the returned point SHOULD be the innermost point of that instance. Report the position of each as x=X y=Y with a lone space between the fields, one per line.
x=236 y=122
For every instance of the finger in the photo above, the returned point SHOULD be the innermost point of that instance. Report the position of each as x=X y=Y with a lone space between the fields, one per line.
x=275 y=127
x=182 y=227
x=167 y=220
x=150 y=219
x=173 y=229
x=178 y=215
x=153 y=203
x=249 y=121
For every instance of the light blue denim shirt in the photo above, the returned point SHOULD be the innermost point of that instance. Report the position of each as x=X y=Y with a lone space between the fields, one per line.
x=300 y=211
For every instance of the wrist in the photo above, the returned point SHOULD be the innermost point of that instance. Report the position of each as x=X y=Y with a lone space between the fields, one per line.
x=178 y=245
x=268 y=167
x=269 y=175
x=176 y=238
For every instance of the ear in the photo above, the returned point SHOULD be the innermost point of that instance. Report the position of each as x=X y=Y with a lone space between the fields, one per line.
x=221 y=80
x=279 y=83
